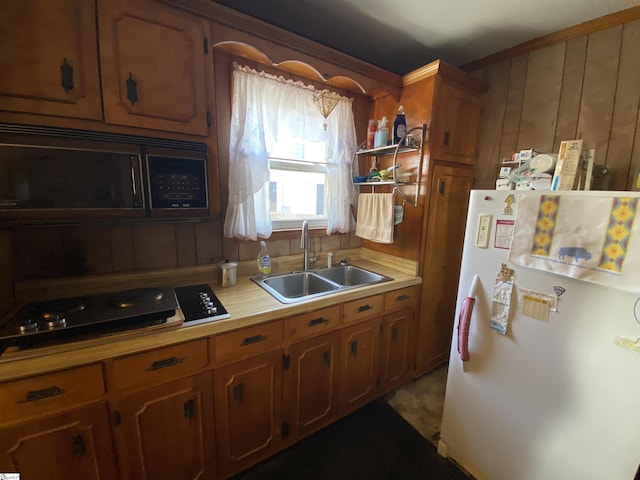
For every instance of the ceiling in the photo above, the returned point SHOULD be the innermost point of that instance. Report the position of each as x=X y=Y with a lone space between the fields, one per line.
x=402 y=36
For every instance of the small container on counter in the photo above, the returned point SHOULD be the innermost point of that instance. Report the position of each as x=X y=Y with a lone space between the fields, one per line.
x=371 y=133
x=228 y=273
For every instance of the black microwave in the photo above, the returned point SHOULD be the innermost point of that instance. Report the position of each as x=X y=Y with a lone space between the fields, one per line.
x=59 y=176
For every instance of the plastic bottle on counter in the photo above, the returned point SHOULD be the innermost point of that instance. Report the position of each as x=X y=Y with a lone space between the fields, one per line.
x=382 y=134
x=264 y=260
x=399 y=126
x=371 y=133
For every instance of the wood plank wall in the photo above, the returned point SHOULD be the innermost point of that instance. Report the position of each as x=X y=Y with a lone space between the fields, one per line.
x=586 y=87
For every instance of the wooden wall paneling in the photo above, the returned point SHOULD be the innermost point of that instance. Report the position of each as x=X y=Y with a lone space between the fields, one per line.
x=542 y=98
x=122 y=251
x=186 y=244
x=155 y=246
x=491 y=125
x=625 y=112
x=6 y=272
x=39 y=253
x=513 y=109
x=571 y=91
x=209 y=242
x=87 y=250
x=598 y=93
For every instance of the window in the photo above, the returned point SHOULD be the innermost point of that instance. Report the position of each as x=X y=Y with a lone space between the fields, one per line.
x=298 y=175
x=287 y=163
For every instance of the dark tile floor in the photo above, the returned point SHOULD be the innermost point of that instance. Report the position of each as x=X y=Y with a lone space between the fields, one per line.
x=373 y=443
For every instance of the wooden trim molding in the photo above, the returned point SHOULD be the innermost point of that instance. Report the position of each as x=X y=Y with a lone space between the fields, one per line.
x=569 y=33
x=448 y=71
x=222 y=15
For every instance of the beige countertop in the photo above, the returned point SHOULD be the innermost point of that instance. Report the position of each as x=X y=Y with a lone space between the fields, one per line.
x=247 y=303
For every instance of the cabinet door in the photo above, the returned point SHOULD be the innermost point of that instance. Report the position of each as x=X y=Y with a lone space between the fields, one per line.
x=395 y=361
x=456 y=125
x=311 y=385
x=166 y=431
x=359 y=364
x=154 y=66
x=72 y=444
x=443 y=250
x=248 y=398
x=49 y=58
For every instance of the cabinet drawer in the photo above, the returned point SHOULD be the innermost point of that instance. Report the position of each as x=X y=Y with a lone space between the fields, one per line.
x=159 y=365
x=313 y=323
x=247 y=342
x=44 y=394
x=362 y=309
x=404 y=297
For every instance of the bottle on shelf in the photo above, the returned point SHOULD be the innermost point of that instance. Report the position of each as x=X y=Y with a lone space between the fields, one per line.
x=382 y=134
x=264 y=260
x=399 y=126
x=371 y=133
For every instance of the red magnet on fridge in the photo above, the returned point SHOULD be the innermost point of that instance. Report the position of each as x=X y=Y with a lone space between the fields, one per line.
x=464 y=320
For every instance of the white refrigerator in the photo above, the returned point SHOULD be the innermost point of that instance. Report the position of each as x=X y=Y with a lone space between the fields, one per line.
x=551 y=386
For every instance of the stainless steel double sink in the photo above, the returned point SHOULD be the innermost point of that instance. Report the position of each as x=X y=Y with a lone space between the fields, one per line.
x=294 y=287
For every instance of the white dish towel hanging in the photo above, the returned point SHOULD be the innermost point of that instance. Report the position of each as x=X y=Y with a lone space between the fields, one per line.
x=375 y=217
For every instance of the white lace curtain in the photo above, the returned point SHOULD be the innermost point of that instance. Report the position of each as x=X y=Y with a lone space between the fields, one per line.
x=262 y=106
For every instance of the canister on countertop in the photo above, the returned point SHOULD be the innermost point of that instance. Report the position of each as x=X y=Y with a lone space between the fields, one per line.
x=228 y=273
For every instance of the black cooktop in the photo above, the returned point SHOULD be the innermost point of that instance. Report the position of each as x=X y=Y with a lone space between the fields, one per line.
x=75 y=318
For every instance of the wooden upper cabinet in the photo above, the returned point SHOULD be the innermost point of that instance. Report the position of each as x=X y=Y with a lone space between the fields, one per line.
x=155 y=66
x=49 y=58
x=456 y=124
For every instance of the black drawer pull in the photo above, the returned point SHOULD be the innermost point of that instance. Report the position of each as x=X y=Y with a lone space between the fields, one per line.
x=317 y=321
x=254 y=339
x=401 y=298
x=34 y=395
x=364 y=308
x=164 y=363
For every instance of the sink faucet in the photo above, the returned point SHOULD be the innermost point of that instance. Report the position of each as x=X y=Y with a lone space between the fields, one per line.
x=304 y=243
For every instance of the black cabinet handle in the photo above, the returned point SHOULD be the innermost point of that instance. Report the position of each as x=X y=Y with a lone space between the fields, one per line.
x=447 y=134
x=189 y=409
x=238 y=392
x=326 y=358
x=164 y=363
x=66 y=76
x=317 y=321
x=132 y=89
x=34 y=395
x=254 y=339
x=364 y=308
x=394 y=333
x=77 y=446
x=354 y=348
x=401 y=298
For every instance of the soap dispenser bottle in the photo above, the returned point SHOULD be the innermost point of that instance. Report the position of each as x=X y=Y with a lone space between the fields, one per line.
x=399 y=126
x=264 y=261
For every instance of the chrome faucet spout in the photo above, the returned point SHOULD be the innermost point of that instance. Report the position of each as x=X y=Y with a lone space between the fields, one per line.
x=304 y=243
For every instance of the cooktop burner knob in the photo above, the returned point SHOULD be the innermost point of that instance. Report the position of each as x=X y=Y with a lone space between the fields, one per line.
x=28 y=326
x=54 y=321
x=212 y=310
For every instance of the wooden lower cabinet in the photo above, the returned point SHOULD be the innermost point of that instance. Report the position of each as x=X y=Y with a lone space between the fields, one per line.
x=396 y=351
x=166 y=431
x=311 y=385
x=71 y=444
x=248 y=411
x=359 y=364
